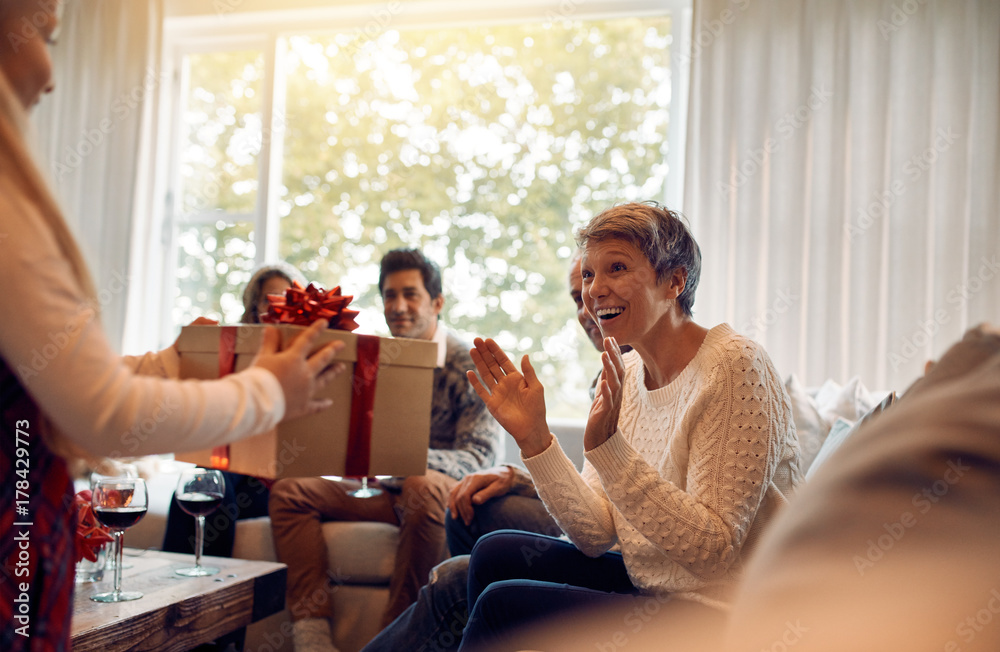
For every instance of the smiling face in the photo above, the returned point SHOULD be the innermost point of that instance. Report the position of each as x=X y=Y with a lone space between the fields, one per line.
x=409 y=309
x=28 y=29
x=621 y=292
x=586 y=321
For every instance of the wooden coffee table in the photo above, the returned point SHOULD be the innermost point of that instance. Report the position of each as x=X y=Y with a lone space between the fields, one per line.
x=176 y=613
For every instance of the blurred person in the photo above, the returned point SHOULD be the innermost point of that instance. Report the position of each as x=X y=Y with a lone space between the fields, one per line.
x=64 y=393
x=464 y=438
x=245 y=496
x=267 y=280
x=892 y=544
x=690 y=447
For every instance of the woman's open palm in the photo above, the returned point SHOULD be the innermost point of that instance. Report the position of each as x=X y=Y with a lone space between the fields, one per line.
x=515 y=399
x=603 y=419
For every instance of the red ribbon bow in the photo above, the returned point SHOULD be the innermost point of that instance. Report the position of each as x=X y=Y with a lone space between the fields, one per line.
x=302 y=306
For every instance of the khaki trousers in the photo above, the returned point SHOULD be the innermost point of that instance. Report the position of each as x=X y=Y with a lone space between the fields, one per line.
x=299 y=506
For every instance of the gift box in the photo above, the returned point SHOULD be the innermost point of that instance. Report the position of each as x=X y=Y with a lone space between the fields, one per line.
x=379 y=423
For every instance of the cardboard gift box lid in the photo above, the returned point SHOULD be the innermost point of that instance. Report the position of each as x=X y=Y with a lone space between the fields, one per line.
x=318 y=444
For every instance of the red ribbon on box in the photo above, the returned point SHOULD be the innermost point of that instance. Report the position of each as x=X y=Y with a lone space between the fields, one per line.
x=359 y=437
x=302 y=306
x=227 y=365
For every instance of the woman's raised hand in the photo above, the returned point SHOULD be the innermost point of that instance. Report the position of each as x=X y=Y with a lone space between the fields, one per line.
x=516 y=400
x=301 y=375
x=603 y=419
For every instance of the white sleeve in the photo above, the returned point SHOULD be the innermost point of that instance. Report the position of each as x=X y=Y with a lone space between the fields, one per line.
x=51 y=341
x=575 y=500
x=164 y=364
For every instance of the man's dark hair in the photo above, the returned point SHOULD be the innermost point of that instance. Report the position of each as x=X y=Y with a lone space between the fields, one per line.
x=399 y=260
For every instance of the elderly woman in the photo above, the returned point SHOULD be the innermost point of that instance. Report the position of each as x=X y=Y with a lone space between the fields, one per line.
x=689 y=446
x=63 y=392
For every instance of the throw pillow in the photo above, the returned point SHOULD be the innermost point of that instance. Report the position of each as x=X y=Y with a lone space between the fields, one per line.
x=849 y=401
x=843 y=429
x=810 y=426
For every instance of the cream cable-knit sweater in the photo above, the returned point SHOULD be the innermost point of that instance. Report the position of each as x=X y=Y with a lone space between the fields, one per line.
x=691 y=477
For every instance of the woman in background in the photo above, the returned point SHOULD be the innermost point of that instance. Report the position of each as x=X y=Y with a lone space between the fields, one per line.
x=245 y=496
x=268 y=279
x=64 y=393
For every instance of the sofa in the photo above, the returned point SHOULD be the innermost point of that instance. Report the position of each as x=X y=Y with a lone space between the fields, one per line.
x=362 y=554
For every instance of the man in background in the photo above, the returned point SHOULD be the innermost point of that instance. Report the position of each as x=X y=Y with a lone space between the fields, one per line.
x=464 y=438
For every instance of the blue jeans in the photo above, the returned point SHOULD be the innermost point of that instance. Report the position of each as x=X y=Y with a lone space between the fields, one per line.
x=519 y=578
x=510 y=512
x=433 y=623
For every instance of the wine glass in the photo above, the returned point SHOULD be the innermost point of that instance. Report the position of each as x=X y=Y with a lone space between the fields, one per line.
x=364 y=491
x=199 y=492
x=113 y=469
x=119 y=503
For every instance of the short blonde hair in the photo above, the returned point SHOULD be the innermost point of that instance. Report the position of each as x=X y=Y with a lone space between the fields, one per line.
x=659 y=233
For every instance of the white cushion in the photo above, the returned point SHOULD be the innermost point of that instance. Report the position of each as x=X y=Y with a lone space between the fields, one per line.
x=810 y=426
x=849 y=401
x=839 y=433
x=843 y=429
x=253 y=539
x=361 y=552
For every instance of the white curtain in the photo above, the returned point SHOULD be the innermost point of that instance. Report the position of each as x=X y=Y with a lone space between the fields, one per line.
x=89 y=133
x=843 y=178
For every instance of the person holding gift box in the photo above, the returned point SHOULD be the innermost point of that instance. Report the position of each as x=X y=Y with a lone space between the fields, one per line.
x=64 y=393
x=464 y=438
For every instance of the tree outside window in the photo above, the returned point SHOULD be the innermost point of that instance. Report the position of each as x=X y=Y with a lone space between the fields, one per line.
x=487 y=147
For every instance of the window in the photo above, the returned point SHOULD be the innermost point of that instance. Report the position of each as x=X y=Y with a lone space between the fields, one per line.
x=485 y=143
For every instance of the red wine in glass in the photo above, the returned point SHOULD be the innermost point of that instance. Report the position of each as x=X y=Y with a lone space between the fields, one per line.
x=124 y=496
x=199 y=503
x=120 y=518
x=199 y=492
x=119 y=503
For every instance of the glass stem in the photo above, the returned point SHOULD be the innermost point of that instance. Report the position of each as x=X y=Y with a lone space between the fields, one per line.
x=199 y=540
x=119 y=548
